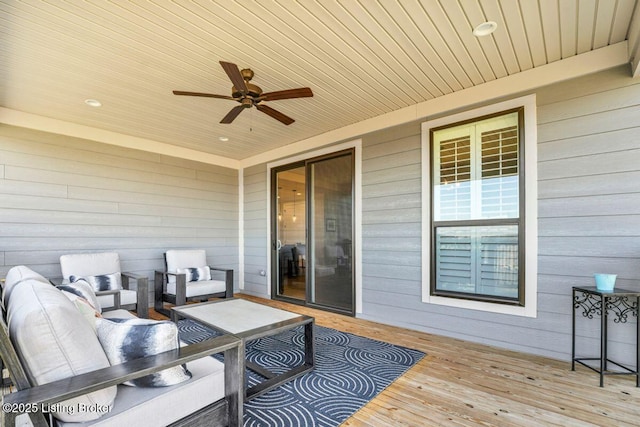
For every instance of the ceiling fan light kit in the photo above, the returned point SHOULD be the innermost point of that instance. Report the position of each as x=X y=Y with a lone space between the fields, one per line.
x=250 y=95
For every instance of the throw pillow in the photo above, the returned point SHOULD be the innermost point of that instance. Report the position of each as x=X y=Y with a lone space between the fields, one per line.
x=196 y=274
x=83 y=289
x=129 y=339
x=84 y=307
x=103 y=282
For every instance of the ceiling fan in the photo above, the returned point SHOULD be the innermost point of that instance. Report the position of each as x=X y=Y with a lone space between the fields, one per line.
x=250 y=95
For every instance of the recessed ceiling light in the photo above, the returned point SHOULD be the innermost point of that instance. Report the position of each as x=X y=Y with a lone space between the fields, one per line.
x=93 y=102
x=485 y=29
x=223 y=138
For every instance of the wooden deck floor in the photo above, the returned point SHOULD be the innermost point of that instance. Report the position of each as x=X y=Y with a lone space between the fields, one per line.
x=460 y=383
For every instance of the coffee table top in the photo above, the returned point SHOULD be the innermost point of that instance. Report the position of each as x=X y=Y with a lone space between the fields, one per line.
x=235 y=315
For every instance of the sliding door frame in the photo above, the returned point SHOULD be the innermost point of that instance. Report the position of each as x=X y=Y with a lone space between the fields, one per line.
x=311 y=247
x=356 y=146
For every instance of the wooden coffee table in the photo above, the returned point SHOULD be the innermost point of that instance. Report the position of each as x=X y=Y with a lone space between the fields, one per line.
x=249 y=321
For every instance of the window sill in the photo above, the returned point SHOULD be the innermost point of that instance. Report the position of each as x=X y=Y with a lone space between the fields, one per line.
x=513 y=310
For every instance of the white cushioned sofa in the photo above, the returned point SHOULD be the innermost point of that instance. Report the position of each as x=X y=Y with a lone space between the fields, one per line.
x=51 y=343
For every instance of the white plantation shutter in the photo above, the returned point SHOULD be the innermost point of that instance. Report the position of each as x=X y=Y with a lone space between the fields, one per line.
x=455 y=178
x=499 y=169
x=456 y=268
x=499 y=264
x=476 y=179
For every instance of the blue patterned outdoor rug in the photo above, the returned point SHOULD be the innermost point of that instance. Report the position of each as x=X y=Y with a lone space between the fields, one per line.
x=349 y=371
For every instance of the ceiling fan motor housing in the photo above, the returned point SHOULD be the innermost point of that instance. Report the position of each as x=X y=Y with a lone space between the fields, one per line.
x=253 y=91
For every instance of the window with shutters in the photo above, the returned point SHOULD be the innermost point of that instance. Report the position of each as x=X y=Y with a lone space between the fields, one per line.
x=477 y=233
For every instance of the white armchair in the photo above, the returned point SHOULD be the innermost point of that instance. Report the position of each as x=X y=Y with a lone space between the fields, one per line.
x=100 y=267
x=187 y=277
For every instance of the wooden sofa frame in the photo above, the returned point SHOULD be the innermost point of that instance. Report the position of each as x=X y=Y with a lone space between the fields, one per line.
x=32 y=399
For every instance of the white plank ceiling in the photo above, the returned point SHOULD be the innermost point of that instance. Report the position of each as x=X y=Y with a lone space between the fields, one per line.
x=361 y=58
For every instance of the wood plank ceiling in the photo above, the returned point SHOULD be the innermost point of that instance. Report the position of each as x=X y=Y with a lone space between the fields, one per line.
x=362 y=59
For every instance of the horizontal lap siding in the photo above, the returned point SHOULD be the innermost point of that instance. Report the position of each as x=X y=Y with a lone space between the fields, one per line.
x=391 y=223
x=589 y=221
x=255 y=230
x=589 y=201
x=62 y=195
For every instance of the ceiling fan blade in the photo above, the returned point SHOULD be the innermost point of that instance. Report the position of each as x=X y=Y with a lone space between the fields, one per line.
x=275 y=114
x=235 y=76
x=207 y=95
x=231 y=115
x=303 y=92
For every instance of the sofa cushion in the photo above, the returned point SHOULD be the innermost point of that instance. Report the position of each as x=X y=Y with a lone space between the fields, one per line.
x=127 y=297
x=128 y=339
x=66 y=345
x=16 y=275
x=118 y=314
x=137 y=406
x=195 y=274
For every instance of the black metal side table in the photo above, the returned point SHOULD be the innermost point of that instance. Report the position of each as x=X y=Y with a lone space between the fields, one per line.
x=620 y=303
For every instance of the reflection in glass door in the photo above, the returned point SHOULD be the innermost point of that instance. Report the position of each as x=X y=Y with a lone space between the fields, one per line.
x=331 y=238
x=290 y=229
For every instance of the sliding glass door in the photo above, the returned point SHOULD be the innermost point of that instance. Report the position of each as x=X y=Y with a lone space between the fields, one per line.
x=313 y=229
x=290 y=230
x=331 y=237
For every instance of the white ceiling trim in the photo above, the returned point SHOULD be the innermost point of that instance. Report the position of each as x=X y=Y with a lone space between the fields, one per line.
x=575 y=66
x=46 y=124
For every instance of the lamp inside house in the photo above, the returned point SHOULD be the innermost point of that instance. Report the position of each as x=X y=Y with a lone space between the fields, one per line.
x=294 y=206
x=279 y=205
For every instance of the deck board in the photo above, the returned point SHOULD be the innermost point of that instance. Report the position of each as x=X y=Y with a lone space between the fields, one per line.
x=460 y=383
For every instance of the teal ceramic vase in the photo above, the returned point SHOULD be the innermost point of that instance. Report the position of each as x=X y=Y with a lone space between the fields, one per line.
x=605 y=282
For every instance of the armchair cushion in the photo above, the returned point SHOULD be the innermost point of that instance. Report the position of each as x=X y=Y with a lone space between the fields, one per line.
x=127 y=297
x=128 y=339
x=195 y=274
x=187 y=258
x=203 y=287
x=89 y=264
x=101 y=282
x=64 y=345
x=103 y=271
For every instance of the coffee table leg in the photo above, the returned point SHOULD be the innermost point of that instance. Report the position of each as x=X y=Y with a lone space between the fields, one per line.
x=309 y=345
x=273 y=380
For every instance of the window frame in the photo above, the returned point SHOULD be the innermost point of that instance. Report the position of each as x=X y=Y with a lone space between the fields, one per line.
x=476 y=222
x=528 y=213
